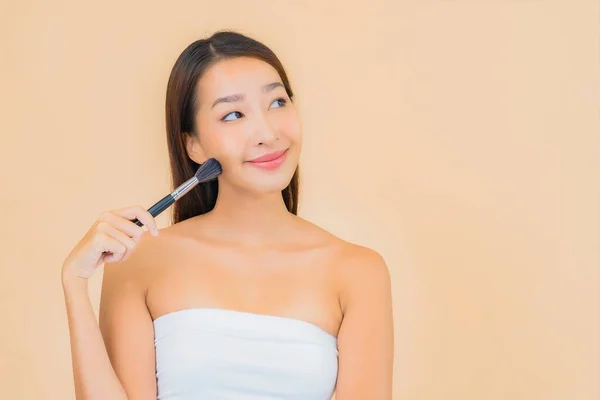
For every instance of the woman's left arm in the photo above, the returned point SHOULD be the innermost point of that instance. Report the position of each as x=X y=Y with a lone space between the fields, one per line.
x=366 y=335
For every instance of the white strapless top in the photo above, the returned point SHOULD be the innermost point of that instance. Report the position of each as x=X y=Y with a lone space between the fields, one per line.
x=217 y=354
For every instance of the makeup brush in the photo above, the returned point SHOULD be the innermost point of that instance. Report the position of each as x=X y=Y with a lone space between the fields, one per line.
x=208 y=171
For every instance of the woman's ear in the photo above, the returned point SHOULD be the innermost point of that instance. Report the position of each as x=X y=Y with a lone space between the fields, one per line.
x=194 y=148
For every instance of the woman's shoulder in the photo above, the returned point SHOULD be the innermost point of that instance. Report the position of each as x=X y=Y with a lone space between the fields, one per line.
x=359 y=270
x=350 y=257
x=362 y=273
x=346 y=248
x=142 y=263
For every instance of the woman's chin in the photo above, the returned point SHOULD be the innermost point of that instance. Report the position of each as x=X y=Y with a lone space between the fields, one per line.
x=270 y=187
x=270 y=184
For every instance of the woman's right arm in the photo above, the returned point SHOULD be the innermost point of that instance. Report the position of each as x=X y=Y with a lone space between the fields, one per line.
x=116 y=362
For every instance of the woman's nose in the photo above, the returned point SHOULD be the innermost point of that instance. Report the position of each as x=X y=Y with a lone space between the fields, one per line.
x=264 y=132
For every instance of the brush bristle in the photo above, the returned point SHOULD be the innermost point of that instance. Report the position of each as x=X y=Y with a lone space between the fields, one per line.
x=209 y=170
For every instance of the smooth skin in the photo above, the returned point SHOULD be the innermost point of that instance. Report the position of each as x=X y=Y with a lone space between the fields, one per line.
x=248 y=254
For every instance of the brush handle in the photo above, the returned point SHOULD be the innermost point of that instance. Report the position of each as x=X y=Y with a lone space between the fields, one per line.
x=159 y=207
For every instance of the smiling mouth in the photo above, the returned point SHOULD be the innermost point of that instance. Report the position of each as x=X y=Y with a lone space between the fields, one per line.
x=270 y=161
x=269 y=157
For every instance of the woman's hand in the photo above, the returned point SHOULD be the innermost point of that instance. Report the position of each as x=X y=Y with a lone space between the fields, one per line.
x=111 y=238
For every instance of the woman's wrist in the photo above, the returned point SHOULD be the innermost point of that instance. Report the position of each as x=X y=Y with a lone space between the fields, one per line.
x=73 y=283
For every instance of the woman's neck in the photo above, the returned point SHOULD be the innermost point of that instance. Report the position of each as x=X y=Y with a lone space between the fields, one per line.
x=250 y=219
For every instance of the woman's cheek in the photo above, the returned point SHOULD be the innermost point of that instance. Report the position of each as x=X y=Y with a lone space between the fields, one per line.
x=229 y=150
x=291 y=127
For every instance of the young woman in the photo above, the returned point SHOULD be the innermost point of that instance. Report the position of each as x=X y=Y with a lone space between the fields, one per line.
x=239 y=298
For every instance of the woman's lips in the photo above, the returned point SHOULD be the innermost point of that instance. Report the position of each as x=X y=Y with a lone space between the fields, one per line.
x=270 y=161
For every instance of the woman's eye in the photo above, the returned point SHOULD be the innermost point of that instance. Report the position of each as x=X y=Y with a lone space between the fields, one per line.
x=231 y=113
x=281 y=101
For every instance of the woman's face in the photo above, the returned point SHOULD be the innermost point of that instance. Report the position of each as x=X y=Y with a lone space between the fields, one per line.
x=245 y=117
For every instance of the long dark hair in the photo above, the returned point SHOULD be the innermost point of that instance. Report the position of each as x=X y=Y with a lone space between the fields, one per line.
x=182 y=103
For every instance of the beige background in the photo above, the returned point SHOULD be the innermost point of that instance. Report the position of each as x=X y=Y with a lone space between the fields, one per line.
x=458 y=138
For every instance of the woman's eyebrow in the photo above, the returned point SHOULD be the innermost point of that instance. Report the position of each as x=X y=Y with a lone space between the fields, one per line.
x=238 y=97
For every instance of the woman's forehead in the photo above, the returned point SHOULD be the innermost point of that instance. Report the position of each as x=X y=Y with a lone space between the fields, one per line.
x=235 y=76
